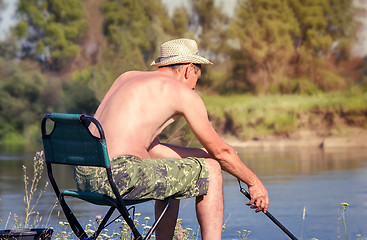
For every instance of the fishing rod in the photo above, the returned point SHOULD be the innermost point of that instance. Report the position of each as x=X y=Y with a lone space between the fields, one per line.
x=272 y=218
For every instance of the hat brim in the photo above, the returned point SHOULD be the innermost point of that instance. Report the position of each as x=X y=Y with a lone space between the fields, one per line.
x=180 y=59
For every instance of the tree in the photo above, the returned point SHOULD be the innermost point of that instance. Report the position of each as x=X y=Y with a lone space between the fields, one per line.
x=51 y=30
x=291 y=46
x=209 y=23
x=180 y=21
x=134 y=30
x=21 y=99
x=327 y=27
x=327 y=31
x=262 y=47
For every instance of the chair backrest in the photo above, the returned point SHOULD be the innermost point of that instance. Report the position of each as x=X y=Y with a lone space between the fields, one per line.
x=70 y=142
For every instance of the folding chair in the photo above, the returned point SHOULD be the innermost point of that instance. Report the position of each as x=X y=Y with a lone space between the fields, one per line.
x=70 y=142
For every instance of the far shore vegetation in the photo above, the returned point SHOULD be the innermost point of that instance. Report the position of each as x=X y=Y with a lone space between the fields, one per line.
x=279 y=66
x=248 y=117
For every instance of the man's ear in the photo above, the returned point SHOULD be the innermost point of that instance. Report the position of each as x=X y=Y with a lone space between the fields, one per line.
x=188 y=71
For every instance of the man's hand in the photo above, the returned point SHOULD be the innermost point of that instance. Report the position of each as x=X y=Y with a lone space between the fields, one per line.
x=259 y=197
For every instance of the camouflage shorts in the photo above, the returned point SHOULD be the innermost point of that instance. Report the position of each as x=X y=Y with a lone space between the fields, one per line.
x=148 y=178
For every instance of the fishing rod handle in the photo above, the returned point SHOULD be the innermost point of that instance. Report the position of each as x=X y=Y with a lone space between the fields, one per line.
x=244 y=192
x=271 y=217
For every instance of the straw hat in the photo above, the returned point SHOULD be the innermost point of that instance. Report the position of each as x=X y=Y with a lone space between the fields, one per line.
x=179 y=51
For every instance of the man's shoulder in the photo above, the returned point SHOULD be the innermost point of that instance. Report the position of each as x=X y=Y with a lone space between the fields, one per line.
x=144 y=75
x=130 y=74
x=154 y=82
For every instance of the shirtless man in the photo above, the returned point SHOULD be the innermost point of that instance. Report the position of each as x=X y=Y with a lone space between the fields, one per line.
x=140 y=105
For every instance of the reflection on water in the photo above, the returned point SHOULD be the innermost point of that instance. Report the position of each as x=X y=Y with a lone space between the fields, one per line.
x=290 y=164
x=315 y=179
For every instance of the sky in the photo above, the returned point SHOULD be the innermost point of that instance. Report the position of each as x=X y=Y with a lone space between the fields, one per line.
x=8 y=19
x=226 y=5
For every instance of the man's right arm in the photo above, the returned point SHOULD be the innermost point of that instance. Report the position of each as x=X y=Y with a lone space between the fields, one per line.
x=196 y=116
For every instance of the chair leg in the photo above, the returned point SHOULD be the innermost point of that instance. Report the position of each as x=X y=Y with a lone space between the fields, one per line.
x=102 y=224
x=74 y=223
x=125 y=214
x=157 y=221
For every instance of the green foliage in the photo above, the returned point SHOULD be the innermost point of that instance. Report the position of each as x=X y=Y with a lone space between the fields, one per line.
x=79 y=98
x=21 y=29
x=21 y=98
x=362 y=81
x=26 y=95
x=180 y=21
x=12 y=137
x=263 y=33
x=97 y=78
x=134 y=29
x=300 y=85
x=211 y=21
x=331 y=81
x=325 y=23
x=211 y=31
x=275 y=40
x=7 y=48
x=55 y=26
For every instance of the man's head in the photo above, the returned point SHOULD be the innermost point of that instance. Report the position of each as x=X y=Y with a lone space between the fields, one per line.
x=179 y=51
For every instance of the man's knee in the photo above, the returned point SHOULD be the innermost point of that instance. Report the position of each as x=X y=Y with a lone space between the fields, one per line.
x=215 y=171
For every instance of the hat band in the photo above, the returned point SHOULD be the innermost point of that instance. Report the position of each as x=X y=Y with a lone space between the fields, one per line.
x=162 y=59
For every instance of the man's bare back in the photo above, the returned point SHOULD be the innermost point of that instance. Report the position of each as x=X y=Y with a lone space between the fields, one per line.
x=138 y=106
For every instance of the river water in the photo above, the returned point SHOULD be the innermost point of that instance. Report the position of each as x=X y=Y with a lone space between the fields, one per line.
x=306 y=187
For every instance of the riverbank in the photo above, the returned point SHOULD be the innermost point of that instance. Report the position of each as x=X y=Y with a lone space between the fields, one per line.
x=352 y=138
x=325 y=120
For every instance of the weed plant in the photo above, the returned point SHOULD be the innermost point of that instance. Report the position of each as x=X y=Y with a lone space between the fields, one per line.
x=33 y=188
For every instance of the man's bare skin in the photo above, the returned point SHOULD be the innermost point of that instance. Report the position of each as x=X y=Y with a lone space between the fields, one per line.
x=140 y=105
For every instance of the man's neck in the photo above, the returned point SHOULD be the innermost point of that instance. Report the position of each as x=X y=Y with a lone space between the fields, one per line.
x=169 y=72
